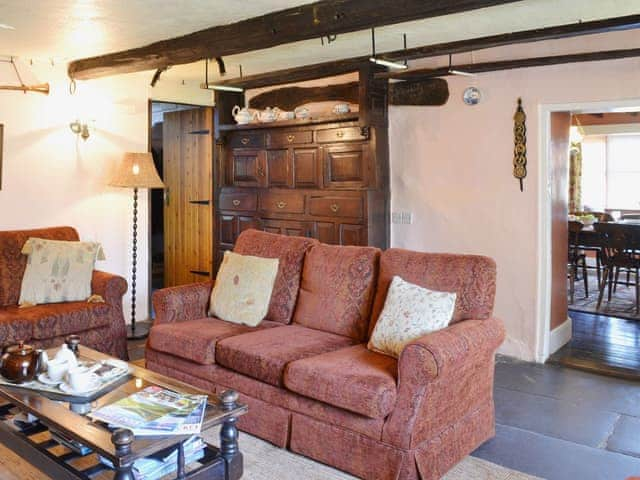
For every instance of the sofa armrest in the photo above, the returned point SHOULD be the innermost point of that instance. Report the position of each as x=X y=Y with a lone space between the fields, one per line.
x=184 y=302
x=442 y=377
x=109 y=286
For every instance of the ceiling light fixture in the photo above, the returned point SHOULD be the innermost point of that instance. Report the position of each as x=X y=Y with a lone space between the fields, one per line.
x=213 y=86
x=20 y=85
x=6 y=27
x=461 y=73
x=383 y=62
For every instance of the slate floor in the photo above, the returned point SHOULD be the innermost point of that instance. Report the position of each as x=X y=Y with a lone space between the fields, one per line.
x=559 y=423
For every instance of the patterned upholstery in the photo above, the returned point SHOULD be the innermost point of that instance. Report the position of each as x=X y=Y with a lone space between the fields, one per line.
x=13 y=263
x=100 y=325
x=196 y=339
x=338 y=284
x=353 y=378
x=265 y=354
x=290 y=252
x=471 y=277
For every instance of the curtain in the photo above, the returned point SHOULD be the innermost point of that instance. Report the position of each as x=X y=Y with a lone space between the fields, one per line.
x=575 y=177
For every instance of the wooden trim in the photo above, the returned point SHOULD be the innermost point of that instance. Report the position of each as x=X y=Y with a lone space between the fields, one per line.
x=326 y=69
x=314 y=20
x=426 y=73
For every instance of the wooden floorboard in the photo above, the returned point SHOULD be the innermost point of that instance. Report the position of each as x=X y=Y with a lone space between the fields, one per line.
x=602 y=344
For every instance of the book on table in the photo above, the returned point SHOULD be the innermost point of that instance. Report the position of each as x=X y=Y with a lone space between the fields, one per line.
x=155 y=411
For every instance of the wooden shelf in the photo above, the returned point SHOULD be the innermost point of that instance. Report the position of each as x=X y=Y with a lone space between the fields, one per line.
x=291 y=123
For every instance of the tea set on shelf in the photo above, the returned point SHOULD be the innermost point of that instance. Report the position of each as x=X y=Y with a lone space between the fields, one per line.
x=245 y=115
x=29 y=367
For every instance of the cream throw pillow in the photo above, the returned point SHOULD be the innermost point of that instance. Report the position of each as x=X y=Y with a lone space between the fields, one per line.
x=409 y=312
x=243 y=287
x=58 y=271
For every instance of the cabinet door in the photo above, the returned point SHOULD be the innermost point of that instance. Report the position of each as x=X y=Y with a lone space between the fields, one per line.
x=279 y=171
x=245 y=223
x=247 y=167
x=288 y=227
x=306 y=168
x=227 y=229
x=346 y=166
x=325 y=232
x=352 y=234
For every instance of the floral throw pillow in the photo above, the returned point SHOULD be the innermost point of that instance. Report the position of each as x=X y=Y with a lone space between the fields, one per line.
x=58 y=271
x=409 y=312
x=243 y=288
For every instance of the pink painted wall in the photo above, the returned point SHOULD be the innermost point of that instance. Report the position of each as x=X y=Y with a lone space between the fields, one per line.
x=452 y=167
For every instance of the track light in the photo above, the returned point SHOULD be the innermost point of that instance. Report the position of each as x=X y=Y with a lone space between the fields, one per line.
x=380 y=61
x=213 y=86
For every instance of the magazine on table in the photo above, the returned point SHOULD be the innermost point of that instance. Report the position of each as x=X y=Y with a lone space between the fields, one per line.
x=155 y=411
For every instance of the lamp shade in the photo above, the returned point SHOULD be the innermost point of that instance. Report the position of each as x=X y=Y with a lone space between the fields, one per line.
x=137 y=171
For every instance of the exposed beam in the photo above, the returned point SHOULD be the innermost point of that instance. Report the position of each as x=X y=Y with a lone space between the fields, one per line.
x=314 y=20
x=433 y=92
x=319 y=70
x=425 y=73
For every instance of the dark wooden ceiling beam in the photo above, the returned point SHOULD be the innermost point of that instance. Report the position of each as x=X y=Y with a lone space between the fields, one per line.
x=314 y=20
x=426 y=73
x=320 y=70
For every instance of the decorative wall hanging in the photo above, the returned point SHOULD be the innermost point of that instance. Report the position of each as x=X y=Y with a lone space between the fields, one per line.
x=18 y=84
x=471 y=96
x=520 y=147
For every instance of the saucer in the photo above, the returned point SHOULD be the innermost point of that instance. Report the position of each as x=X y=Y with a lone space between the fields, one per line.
x=44 y=378
x=94 y=384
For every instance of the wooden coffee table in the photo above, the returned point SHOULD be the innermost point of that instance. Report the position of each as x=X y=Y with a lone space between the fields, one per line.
x=120 y=446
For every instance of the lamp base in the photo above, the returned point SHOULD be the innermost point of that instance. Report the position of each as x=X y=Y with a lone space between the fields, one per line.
x=141 y=331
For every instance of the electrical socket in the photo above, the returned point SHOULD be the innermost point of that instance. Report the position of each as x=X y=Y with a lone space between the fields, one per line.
x=396 y=217
x=407 y=218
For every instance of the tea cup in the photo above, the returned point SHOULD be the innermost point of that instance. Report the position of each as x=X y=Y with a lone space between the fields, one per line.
x=57 y=368
x=80 y=378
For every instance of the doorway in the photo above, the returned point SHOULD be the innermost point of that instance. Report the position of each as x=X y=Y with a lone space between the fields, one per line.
x=583 y=182
x=180 y=140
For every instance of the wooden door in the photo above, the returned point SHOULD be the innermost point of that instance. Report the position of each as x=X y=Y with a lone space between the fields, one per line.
x=187 y=143
x=559 y=159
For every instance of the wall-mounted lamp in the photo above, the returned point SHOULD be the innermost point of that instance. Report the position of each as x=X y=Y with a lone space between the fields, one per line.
x=81 y=129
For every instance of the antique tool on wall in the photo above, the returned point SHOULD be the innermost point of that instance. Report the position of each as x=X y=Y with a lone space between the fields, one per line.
x=520 y=147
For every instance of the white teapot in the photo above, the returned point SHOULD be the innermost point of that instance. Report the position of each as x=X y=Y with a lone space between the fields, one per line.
x=269 y=114
x=242 y=115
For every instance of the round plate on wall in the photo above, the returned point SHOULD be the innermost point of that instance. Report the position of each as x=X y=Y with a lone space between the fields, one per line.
x=471 y=96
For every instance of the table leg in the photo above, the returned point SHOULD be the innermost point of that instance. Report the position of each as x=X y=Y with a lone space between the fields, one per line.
x=122 y=438
x=229 y=438
x=180 y=475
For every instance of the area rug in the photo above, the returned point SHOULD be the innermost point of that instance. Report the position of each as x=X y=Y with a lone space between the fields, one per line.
x=263 y=461
x=622 y=304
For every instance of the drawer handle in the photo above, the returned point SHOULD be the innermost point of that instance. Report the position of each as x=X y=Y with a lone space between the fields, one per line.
x=235 y=202
x=291 y=138
x=245 y=140
x=260 y=172
x=340 y=134
x=281 y=204
x=334 y=207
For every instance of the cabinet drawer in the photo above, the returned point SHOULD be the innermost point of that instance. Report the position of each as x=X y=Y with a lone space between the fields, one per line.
x=246 y=140
x=345 y=134
x=246 y=201
x=280 y=139
x=336 y=206
x=282 y=202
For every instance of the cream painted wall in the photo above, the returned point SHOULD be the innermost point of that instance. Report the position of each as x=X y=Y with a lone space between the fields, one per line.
x=51 y=177
x=452 y=167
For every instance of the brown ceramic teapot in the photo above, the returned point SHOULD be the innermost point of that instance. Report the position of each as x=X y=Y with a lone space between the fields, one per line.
x=20 y=363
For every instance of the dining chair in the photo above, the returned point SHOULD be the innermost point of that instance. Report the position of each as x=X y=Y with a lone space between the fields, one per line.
x=576 y=258
x=620 y=250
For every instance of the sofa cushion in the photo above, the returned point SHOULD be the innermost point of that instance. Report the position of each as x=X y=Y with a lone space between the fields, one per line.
x=53 y=320
x=290 y=252
x=13 y=263
x=14 y=328
x=337 y=289
x=196 y=339
x=471 y=277
x=352 y=378
x=265 y=354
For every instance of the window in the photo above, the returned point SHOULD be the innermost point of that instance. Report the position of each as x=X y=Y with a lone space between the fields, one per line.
x=611 y=172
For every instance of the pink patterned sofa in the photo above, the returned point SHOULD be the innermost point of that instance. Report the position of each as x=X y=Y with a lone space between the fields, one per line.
x=100 y=325
x=305 y=372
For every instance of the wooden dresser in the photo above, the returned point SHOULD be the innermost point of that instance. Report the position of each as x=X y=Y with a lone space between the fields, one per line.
x=322 y=178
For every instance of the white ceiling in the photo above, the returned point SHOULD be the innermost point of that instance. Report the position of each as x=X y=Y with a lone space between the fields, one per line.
x=70 y=29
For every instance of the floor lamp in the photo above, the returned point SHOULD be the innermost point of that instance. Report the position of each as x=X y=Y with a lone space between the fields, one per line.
x=136 y=171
